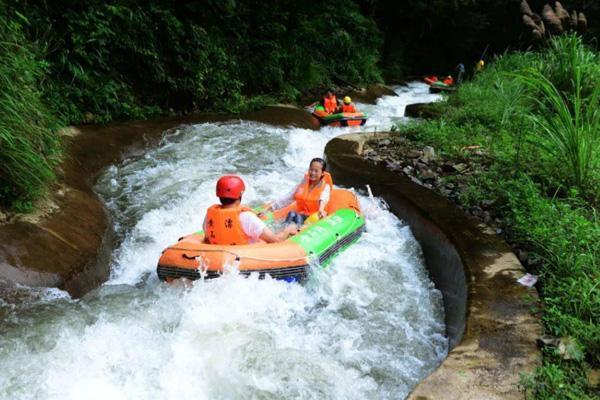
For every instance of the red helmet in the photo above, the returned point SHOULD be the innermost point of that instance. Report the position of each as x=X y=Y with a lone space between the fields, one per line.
x=230 y=187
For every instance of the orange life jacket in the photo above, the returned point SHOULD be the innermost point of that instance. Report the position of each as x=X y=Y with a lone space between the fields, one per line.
x=348 y=108
x=320 y=112
x=449 y=81
x=330 y=104
x=307 y=199
x=223 y=225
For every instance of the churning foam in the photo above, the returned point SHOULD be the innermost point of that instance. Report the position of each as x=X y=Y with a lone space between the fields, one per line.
x=368 y=326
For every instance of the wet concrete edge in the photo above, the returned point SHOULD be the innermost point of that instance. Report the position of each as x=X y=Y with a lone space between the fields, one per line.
x=68 y=240
x=490 y=326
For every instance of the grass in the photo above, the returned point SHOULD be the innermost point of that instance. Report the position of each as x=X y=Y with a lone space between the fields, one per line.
x=29 y=147
x=567 y=123
x=535 y=116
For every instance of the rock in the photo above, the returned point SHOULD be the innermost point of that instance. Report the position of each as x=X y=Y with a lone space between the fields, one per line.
x=487 y=218
x=499 y=231
x=416 y=180
x=477 y=211
x=371 y=93
x=384 y=142
x=422 y=167
x=570 y=349
x=427 y=175
x=449 y=185
x=547 y=340
x=407 y=170
x=413 y=154
x=3 y=217
x=461 y=167
x=487 y=203
x=593 y=378
x=393 y=165
x=88 y=117
x=522 y=255
x=421 y=110
x=428 y=154
x=447 y=167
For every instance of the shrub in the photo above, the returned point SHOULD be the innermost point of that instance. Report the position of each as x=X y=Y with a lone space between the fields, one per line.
x=29 y=148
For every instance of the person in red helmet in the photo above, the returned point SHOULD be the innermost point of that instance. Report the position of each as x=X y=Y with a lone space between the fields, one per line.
x=230 y=223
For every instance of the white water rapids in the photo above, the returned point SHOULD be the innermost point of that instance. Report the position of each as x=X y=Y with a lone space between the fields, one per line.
x=369 y=326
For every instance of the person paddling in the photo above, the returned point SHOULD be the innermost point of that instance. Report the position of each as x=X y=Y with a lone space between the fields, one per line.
x=311 y=195
x=230 y=223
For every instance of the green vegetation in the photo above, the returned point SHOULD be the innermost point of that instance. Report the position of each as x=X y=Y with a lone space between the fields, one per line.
x=535 y=118
x=28 y=146
x=97 y=61
x=127 y=60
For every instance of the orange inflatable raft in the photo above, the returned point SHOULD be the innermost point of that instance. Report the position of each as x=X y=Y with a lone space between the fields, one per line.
x=192 y=258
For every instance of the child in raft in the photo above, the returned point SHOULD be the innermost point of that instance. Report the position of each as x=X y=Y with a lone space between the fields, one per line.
x=311 y=195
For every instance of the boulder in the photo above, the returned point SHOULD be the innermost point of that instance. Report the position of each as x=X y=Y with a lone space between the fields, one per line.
x=428 y=154
x=421 y=110
x=371 y=93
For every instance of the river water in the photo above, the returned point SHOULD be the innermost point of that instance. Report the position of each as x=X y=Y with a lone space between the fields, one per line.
x=369 y=326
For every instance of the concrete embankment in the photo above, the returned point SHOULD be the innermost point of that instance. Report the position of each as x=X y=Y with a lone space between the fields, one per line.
x=67 y=241
x=490 y=326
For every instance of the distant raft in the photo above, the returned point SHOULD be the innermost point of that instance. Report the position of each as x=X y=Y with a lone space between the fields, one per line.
x=439 y=87
x=340 y=119
x=193 y=259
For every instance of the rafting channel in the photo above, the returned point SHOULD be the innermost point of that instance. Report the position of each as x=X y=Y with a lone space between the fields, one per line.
x=370 y=325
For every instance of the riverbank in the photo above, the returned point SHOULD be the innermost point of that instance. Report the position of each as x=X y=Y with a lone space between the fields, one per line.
x=489 y=320
x=66 y=240
x=361 y=335
x=486 y=150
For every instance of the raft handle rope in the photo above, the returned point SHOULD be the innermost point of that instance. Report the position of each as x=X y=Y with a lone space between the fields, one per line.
x=237 y=256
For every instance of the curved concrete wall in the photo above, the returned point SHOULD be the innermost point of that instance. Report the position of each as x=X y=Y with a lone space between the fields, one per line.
x=68 y=241
x=490 y=330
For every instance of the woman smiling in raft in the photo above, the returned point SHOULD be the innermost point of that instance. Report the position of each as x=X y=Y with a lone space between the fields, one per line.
x=311 y=195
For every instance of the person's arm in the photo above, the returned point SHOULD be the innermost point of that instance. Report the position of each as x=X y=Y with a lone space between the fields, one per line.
x=204 y=229
x=323 y=200
x=268 y=236
x=256 y=229
x=282 y=202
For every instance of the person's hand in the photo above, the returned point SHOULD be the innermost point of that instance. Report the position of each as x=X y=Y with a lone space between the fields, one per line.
x=265 y=210
x=322 y=214
x=291 y=229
